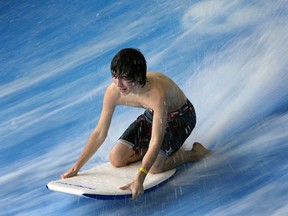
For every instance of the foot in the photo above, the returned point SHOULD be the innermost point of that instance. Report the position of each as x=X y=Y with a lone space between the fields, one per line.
x=200 y=151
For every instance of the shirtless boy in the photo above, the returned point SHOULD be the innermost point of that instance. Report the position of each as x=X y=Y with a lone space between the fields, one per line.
x=156 y=136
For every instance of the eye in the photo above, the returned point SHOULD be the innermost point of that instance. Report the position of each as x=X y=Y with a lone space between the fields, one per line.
x=125 y=78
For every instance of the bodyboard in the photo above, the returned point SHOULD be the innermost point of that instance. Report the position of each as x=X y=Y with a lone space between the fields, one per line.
x=104 y=182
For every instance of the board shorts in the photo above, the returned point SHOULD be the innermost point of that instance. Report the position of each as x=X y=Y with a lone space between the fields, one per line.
x=180 y=124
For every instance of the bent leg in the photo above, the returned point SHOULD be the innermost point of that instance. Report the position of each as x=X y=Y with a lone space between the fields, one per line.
x=197 y=153
x=179 y=158
x=122 y=154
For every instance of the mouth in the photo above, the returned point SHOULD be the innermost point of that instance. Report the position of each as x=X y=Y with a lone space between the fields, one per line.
x=122 y=90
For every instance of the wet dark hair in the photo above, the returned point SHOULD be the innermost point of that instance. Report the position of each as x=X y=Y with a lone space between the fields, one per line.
x=129 y=64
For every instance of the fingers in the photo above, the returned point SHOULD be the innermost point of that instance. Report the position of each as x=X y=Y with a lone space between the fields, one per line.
x=134 y=196
x=68 y=174
x=135 y=192
x=125 y=187
x=65 y=175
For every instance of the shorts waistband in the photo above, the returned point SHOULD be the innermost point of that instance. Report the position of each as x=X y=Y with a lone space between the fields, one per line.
x=187 y=107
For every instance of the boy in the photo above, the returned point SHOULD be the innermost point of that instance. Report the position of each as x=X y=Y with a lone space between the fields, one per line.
x=157 y=135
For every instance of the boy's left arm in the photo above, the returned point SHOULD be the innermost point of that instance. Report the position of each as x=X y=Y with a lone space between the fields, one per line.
x=158 y=131
x=157 y=135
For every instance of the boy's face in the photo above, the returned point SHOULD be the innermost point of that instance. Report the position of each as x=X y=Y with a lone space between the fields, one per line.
x=123 y=85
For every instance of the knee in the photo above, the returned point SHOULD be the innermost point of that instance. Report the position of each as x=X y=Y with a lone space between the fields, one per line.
x=116 y=160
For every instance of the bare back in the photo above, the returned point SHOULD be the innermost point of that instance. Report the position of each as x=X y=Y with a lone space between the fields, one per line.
x=174 y=95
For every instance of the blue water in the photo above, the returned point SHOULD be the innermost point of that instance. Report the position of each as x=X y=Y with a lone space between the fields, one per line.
x=229 y=57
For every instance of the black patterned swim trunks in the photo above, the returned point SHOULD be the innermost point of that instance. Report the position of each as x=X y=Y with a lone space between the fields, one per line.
x=180 y=124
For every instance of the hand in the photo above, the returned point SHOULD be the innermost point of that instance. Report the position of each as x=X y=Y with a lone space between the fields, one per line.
x=135 y=187
x=70 y=173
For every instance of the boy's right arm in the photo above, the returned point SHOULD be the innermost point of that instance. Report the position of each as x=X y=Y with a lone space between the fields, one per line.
x=98 y=135
x=91 y=147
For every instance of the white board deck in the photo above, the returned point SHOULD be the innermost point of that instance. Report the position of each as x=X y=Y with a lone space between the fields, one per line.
x=104 y=181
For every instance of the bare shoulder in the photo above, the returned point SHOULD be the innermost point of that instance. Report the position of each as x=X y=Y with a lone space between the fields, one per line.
x=111 y=96
x=154 y=92
x=161 y=80
x=158 y=75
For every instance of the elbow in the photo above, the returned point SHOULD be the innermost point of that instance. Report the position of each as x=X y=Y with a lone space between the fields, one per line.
x=99 y=134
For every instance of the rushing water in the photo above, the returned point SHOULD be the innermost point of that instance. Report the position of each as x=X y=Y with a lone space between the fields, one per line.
x=229 y=57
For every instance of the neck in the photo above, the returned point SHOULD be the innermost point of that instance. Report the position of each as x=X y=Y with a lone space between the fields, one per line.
x=138 y=89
